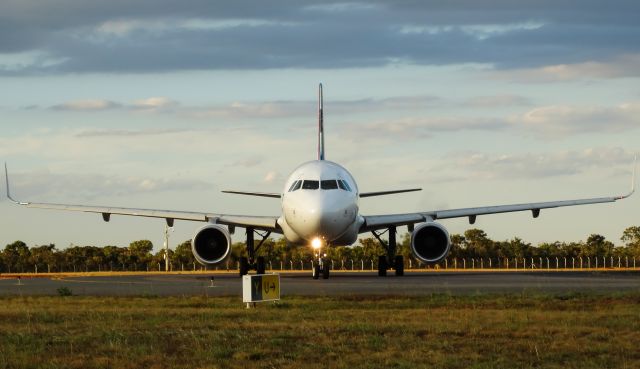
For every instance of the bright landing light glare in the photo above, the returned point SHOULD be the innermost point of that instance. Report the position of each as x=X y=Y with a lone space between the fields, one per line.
x=316 y=243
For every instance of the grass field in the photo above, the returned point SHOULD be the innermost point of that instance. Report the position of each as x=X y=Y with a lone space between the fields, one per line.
x=440 y=331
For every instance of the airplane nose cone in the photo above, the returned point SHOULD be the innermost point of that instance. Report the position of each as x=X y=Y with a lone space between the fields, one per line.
x=324 y=217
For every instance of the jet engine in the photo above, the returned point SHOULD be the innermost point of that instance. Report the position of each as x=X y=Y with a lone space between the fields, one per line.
x=211 y=244
x=430 y=242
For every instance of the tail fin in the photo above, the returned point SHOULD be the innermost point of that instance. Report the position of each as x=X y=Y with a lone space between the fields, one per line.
x=320 y=125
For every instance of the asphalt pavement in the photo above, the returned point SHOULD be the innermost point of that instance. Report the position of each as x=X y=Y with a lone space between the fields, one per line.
x=340 y=284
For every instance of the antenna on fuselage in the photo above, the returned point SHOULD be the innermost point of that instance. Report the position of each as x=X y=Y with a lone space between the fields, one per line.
x=320 y=125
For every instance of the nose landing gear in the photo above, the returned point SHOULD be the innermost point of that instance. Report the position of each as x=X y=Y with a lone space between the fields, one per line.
x=321 y=268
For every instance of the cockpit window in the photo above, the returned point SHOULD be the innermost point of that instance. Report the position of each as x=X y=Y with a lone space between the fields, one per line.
x=297 y=185
x=329 y=184
x=344 y=185
x=310 y=185
x=293 y=185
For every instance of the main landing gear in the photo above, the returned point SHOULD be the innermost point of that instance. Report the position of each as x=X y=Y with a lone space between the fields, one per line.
x=252 y=262
x=390 y=260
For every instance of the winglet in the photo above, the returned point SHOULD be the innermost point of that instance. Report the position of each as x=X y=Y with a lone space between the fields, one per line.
x=633 y=179
x=6 y=177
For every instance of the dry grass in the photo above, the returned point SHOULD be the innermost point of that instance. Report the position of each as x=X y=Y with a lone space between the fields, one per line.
x=440 y=331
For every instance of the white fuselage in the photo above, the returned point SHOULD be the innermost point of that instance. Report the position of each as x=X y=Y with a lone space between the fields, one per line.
x=320 y=200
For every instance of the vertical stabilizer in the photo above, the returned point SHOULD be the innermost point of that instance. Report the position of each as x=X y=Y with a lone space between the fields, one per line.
x=320 y=125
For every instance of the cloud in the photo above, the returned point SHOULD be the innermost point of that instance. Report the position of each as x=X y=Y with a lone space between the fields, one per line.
x=159 y=36
x=563 y=120
x=97 y=105
x=619 y=67
x=87 y=105
x=128 y=133
x=497 y=101
x=272 y=176
x=480 y=165
x=422 y=128
x=46 y=186
x=153 y=103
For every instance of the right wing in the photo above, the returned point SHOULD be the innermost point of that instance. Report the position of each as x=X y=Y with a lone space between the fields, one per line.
x=375 y=222
x=266 y=223
x=260 y=194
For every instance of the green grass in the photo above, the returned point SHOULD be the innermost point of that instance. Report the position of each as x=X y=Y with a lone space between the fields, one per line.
x=439 y=331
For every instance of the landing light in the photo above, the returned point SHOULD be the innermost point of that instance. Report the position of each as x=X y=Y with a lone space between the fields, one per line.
x=316 y=243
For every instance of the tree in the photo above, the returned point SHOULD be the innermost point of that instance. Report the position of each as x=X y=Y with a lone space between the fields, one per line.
x=182 y=256
x=631 y=238
x=140 y=252
x=44 y=257
x=16 y=257
x=597 y=245
x=477 y=244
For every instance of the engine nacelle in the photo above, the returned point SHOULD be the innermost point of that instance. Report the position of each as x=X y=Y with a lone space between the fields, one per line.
x=430 y=242
x=211 y=244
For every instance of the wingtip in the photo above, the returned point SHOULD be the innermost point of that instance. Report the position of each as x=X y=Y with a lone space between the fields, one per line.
x=633 y=179
x=8 y=188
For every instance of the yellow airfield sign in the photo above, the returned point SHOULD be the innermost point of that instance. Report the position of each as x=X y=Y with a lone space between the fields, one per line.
x=260 y=287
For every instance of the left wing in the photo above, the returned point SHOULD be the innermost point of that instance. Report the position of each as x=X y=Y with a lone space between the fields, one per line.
x=374 y=222
x=266 y=223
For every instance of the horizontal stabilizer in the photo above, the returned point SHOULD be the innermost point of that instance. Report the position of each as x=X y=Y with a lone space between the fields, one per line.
x=260 y=194
x=381 y=193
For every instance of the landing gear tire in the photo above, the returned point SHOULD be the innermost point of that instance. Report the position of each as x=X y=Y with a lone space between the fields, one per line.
x=260 y=265
x=399 y=265
x=316 y=271
x=325 y=270
x=244 y=266
x=382 y=266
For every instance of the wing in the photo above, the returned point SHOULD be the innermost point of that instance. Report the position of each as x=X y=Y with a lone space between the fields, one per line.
x=390 y=192
x=260 y=194
x=374 y=222
x=266 y=223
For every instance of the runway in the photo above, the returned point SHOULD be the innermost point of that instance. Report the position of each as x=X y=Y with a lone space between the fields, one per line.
x=340 y=284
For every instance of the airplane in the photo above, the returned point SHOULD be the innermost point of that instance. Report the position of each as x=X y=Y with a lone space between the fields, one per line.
x=319 y=204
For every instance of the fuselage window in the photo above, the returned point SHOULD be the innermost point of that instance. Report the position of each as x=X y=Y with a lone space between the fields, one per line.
x=329 y=184
x=310 y=185
x=297 y=185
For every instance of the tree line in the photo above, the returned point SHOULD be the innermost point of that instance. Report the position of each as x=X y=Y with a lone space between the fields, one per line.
x=474 y=243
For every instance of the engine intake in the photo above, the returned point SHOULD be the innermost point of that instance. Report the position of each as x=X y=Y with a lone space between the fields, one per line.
x=430 y=242
x=211 y=244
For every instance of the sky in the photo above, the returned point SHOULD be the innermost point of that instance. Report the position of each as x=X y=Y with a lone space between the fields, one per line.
x=163 y=104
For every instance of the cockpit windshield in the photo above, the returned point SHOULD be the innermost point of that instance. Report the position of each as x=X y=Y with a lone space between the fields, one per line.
x=310 y=185
x=326 y=184
x=329 y=184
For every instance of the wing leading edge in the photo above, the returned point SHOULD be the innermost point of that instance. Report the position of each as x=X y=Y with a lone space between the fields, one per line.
x=267 y=223
x=374 y=222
